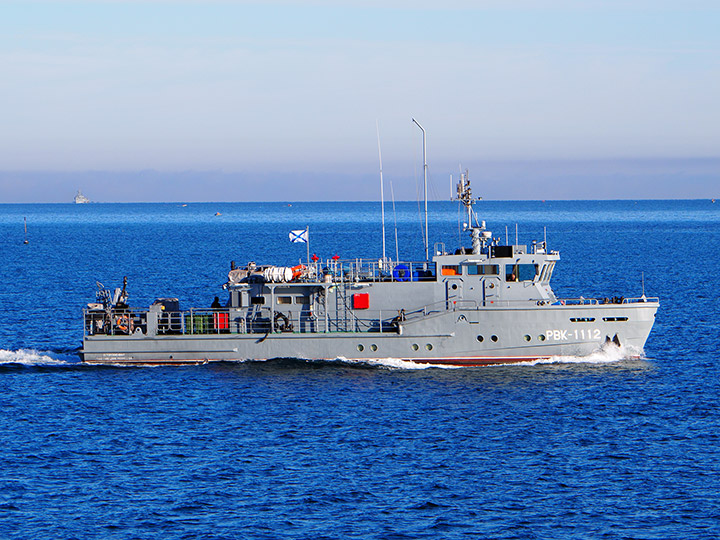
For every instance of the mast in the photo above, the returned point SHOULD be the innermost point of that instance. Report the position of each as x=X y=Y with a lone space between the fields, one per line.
x=425 y=170
x=479 y=235
x=382 y=192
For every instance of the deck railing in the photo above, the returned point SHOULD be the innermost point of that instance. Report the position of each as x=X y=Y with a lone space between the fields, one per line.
x=131 y=321
x=342 y=270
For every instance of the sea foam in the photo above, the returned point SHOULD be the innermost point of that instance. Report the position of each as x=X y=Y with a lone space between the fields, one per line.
x=28 y=357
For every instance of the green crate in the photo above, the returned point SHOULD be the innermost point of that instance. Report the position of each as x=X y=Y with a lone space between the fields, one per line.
x=202 y=323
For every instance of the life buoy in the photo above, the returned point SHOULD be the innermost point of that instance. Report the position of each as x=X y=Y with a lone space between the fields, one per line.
x=297 y=271
x=401 y=273
x=282 y=323
x=124 y=324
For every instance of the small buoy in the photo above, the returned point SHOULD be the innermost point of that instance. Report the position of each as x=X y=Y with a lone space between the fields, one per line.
x=218 y=214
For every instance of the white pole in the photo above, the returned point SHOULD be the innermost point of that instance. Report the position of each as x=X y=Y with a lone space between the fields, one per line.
x=397 y=250
x=308 y=245
x=382 y=192
x=425 y=168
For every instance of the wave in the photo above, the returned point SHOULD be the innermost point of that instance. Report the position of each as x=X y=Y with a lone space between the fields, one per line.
x=29 y=357
x=393 y=363
x=605 y=355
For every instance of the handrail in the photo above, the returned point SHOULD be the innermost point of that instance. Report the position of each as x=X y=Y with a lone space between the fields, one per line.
x=202 y=321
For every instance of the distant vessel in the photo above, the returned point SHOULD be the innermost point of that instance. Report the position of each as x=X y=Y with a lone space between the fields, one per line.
x=80 y=198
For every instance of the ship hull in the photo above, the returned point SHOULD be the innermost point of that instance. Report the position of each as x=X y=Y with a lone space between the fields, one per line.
x=456 y=338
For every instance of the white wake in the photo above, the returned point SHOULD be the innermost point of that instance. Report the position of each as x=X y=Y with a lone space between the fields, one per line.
x=28 y=357
x=605 y=355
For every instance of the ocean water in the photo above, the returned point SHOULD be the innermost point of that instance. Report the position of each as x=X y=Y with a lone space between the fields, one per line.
x=598 y=447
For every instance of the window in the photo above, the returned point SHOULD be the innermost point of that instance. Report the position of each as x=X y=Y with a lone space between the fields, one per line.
x=302 y=299
x=284 y=299
x=451 y=270
x=544 y=271
x=520 y=272
x=549 y=271
x=257 y=300
x=483 y=269
x=584 y=319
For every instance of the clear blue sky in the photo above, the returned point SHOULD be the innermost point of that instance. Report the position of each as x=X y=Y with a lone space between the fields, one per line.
x=293 y=89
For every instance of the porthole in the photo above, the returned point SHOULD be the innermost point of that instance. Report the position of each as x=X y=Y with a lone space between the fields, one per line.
x=454 y=287
x=429 y=347
x=373 y=347
x=527 y=337
x=415 y=347
x=360 y=348
x=541 y=337
x=480 y=339
x=494 y=338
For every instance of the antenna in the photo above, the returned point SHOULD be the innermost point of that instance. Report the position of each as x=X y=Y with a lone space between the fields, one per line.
x=643 y=283
x=382 y=194
x=425 y=168
x=392 y=194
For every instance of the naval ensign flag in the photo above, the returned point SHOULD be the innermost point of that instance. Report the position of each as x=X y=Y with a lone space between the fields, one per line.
x=302 y=237
x=299 y=237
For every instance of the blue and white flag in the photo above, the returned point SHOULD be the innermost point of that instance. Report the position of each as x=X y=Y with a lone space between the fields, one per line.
x=299 y=237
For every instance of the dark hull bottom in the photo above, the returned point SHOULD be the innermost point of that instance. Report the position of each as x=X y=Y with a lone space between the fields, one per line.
x=450 y=362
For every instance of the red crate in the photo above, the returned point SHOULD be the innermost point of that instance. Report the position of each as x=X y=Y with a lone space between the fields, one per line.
x=361 y=301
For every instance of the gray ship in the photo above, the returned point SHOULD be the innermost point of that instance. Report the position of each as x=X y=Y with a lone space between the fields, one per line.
x=487 y=304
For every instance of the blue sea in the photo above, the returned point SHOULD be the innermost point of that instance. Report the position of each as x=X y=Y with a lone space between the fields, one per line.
x=602 y=447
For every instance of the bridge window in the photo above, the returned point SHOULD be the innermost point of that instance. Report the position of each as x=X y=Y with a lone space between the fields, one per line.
x=520 y=272
x=483 y=269
x=451 y=270
x=284 y=299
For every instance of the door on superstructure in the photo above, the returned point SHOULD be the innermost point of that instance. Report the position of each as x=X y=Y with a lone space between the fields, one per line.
x=453 y=292
x=491 y=290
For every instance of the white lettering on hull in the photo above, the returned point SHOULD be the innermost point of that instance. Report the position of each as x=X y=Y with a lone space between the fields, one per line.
x=583 y=334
